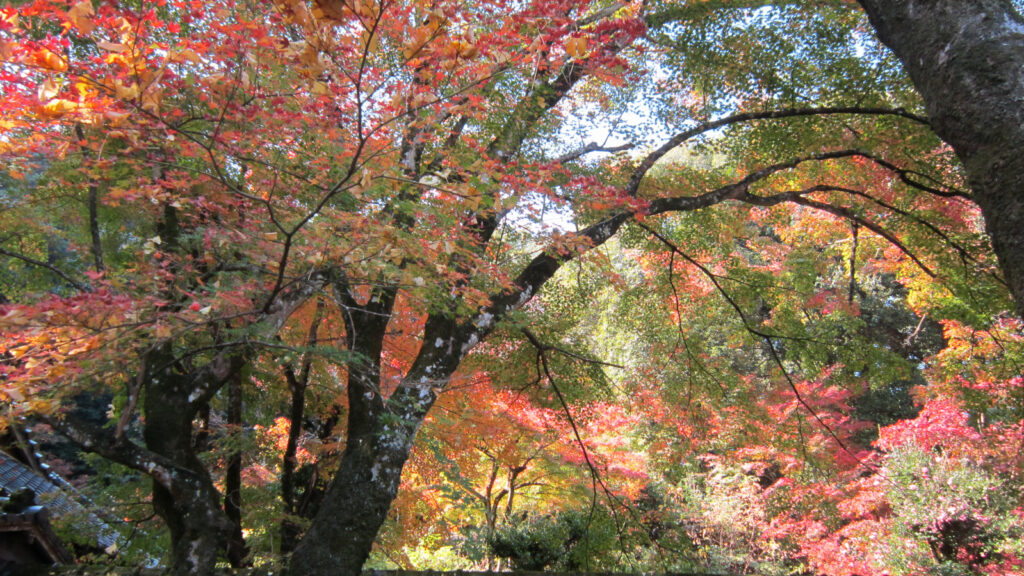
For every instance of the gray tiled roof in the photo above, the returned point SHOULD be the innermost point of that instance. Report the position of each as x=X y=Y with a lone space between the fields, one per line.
x=60 y=501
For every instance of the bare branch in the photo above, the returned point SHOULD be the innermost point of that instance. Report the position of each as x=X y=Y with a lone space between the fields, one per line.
x=28 y=260
x=798 y=197
x=644 y=167
x=591 y=147
x=536 y=341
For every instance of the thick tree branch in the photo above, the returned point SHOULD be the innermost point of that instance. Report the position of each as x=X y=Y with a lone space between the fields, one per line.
x=545 y=265
x=206 y=381
x=589 y=148
x=104 y=442
x=297 y=384
x=966 y=59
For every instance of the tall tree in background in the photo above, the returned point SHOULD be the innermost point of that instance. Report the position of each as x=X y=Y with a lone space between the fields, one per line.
x=188 y=181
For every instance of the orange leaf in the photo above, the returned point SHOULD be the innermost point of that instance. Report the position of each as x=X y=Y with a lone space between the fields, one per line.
x=576 y=47
x=80 y=15
x=115 y=47
x=57 y=107
x=46 y=58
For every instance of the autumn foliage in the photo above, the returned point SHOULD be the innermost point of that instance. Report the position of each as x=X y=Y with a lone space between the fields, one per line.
x=559 y=284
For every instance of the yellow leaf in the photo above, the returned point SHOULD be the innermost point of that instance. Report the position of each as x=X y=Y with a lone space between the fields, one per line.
x=57 y=107
x=310 y=56
x=366 y=9
x=467 y=50
x=114 y=117
x=9 y=17
x=369 y=41
x=473 y=197
x=151 y=101
x=320 y=89
x=129 y=92
x=85 y=91
x=397 y=101
x=329 y=9
x=184 y=55
x=7 y=49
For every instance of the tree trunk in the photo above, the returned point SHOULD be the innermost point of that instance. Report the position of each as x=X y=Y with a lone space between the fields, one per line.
x=358 y=501
x=188 y=502
x=236 y=548
x=360 y=495
x=380 y=437
x=966 y=59
x=289 y=529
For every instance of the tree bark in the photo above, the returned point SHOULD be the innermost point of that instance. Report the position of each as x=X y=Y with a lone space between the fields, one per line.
x=188 y=502
x=966 y=59
x=96 y=246
x=236 y=549
x=357 y=502
x=380 y=434
x=297 y=384
x=289 y=530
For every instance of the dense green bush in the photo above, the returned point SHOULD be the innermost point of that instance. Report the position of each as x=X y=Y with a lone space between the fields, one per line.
x=567 y=540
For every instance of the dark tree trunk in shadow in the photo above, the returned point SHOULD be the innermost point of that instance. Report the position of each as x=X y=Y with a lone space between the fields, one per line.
x=236 y=548
x=188 y=502
x=297 y=384
x=360 y=495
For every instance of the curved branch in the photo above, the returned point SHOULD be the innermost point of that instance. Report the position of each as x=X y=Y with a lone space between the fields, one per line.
x=28 y=260
x=964 y=253
x=104 y=442
x=798 y=197
x=736 y=190
x=905 y=177
x=537 y=343
x=591 y=147
x=675 y=141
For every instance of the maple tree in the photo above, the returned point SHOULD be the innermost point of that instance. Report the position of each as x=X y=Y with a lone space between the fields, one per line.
x=309 y=216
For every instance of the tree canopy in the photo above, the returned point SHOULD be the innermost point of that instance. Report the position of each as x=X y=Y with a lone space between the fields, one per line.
x=680 y=284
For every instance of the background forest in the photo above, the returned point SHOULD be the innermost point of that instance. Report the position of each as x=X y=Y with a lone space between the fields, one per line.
x=674 y=285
